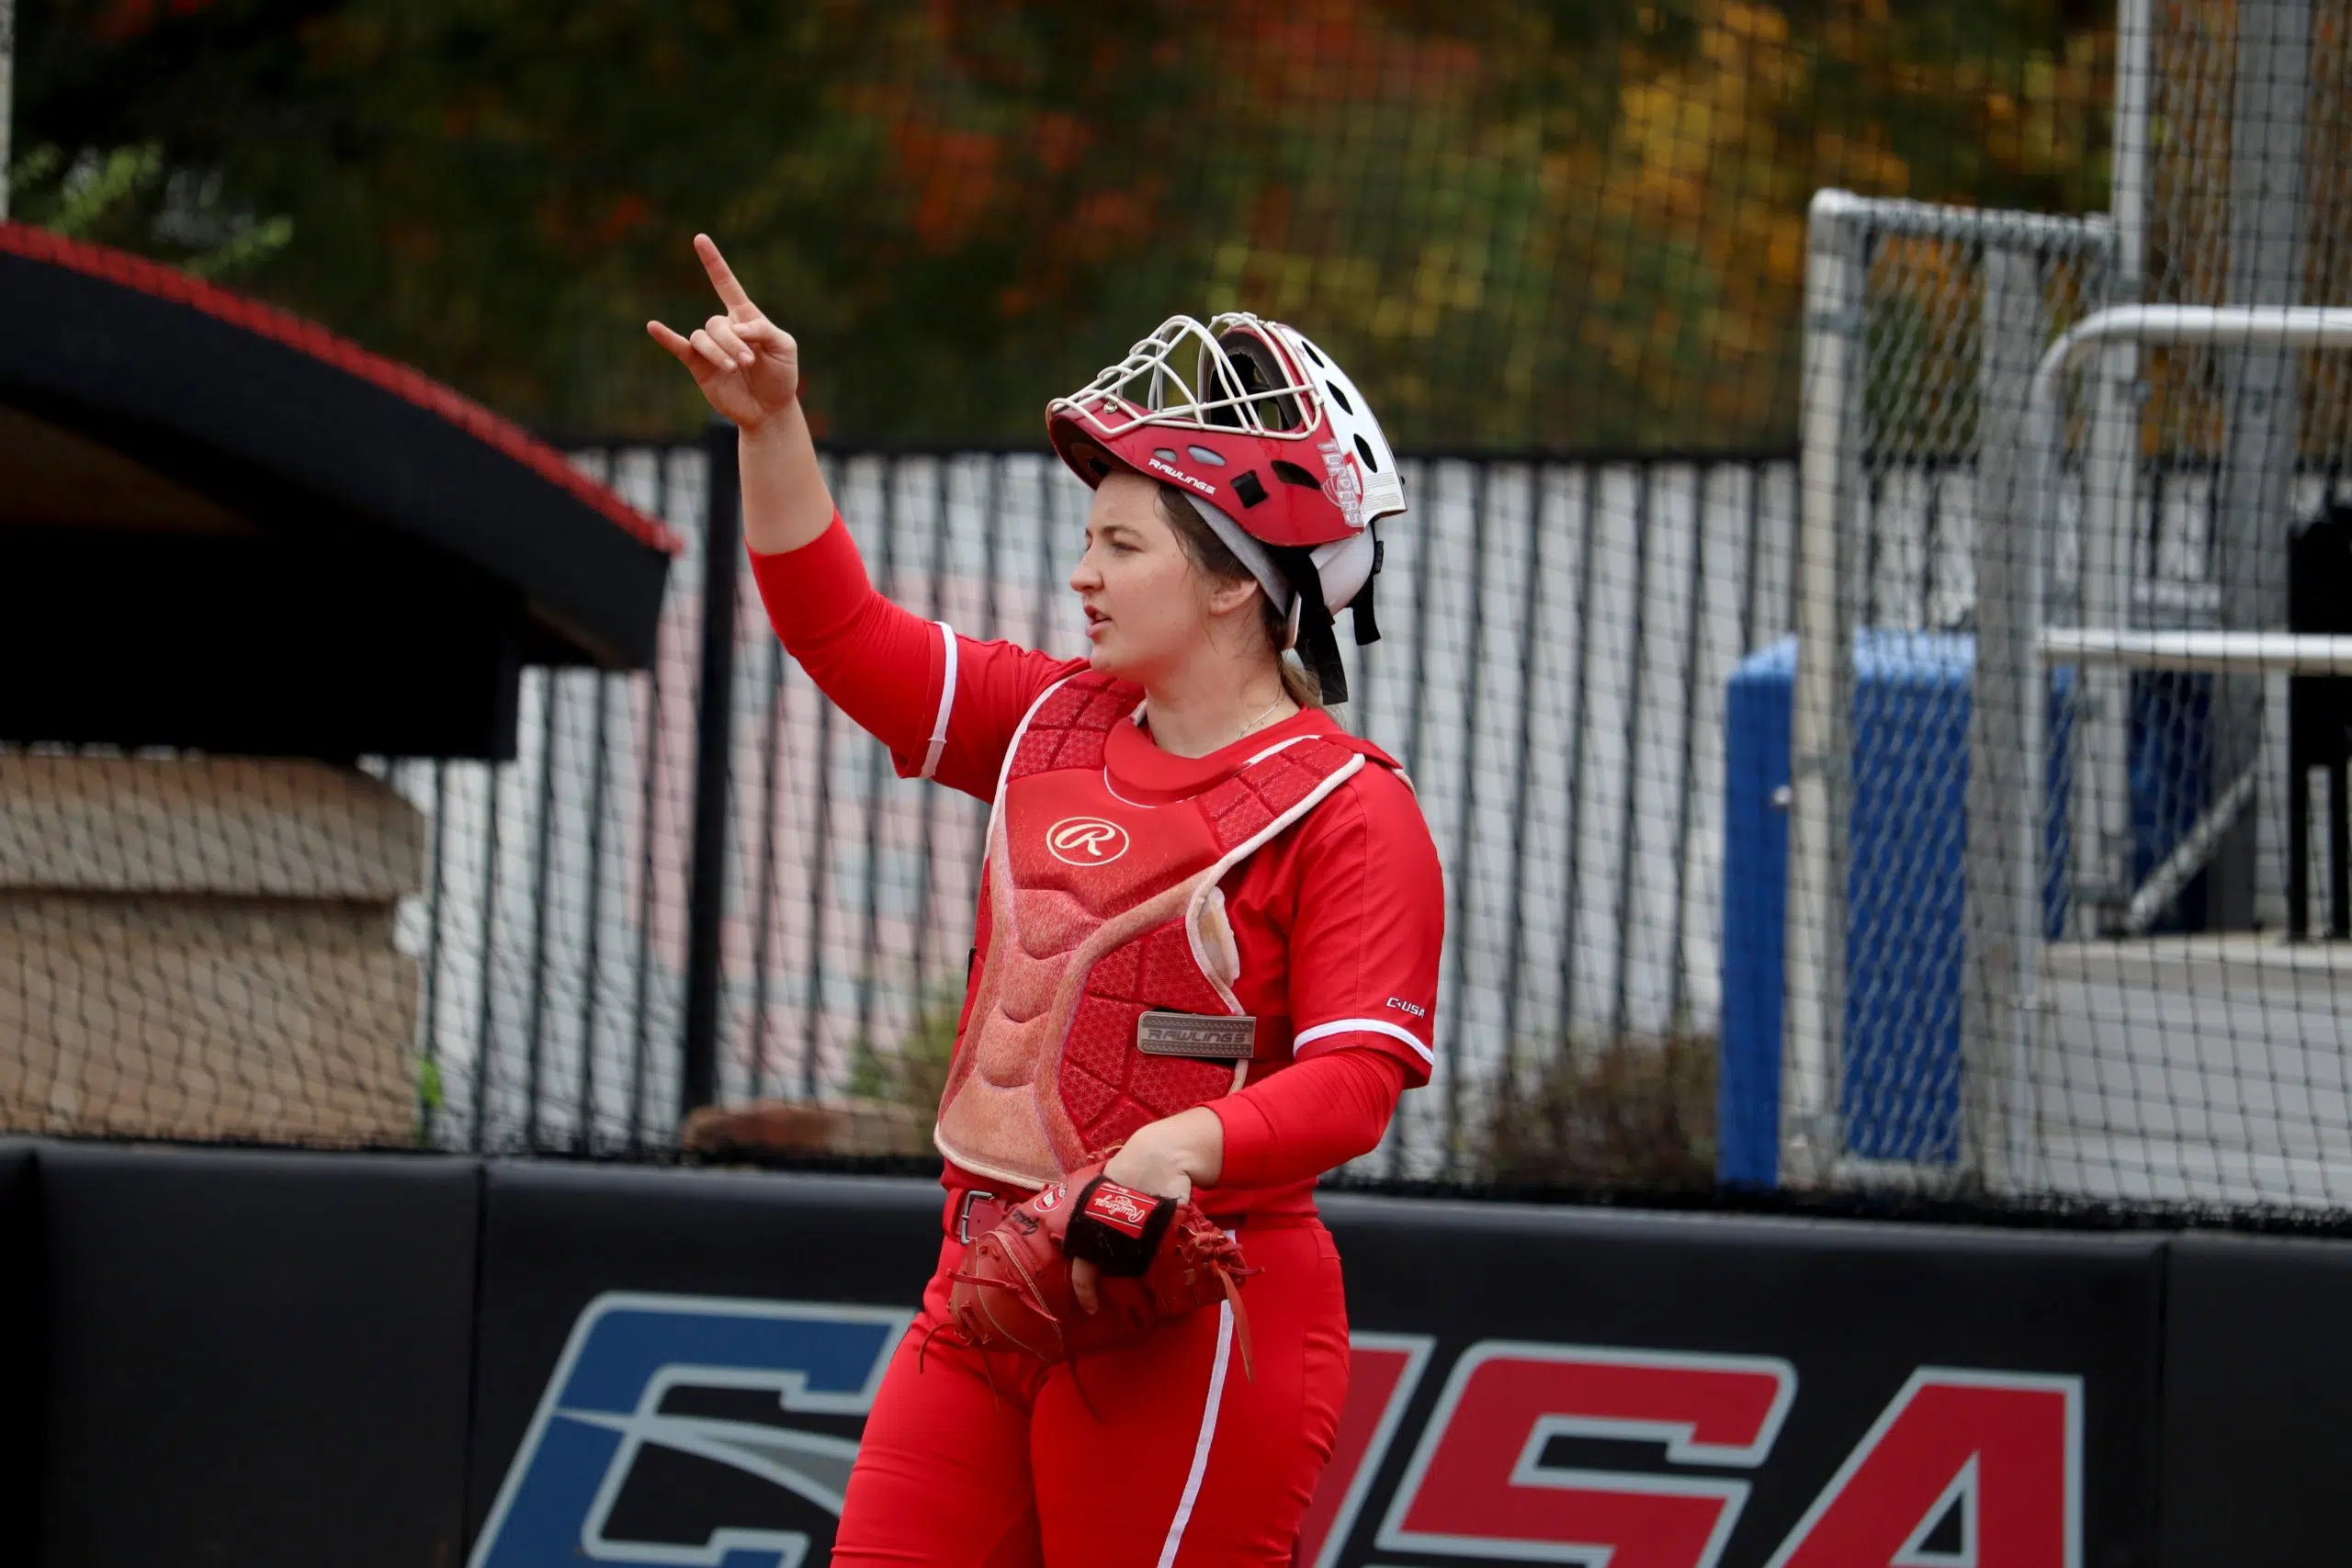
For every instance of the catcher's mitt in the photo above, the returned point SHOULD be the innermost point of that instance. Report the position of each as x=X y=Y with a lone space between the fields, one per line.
x=1160 y=1258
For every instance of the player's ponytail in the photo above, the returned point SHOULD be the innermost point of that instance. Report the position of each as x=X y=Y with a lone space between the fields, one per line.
x=1212 y=557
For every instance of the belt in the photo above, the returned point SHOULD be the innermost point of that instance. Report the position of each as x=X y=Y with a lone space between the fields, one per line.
x=975 y=1212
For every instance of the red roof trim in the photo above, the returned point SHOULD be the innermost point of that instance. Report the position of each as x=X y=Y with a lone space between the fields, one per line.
x=294 y=332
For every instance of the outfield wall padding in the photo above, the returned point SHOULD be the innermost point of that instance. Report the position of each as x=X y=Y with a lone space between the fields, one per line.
x=22 y=1339
x=255 y=1360
x=2257 y=1401
x=557 y=1239
x=1858 y=1311
x=275 y=1358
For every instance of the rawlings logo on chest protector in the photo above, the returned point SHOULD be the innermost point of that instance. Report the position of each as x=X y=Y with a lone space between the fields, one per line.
x=1102 y=912
x=1086 y=841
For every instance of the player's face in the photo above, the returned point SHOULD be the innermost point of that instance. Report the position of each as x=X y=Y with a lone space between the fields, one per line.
x=1145 y=614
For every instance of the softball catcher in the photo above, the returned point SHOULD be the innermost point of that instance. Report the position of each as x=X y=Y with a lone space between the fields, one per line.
x=1205 y=966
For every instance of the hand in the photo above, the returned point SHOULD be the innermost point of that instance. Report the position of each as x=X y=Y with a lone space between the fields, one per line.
x=748 y=367
x=1160 y=1158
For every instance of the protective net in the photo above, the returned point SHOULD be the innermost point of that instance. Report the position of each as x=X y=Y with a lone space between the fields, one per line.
x=2190 y=1043
x=2060 y=884
x=1876 y=729
x=1812 y=824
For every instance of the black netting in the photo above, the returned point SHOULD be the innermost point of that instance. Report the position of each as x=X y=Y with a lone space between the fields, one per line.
x=1777 y=637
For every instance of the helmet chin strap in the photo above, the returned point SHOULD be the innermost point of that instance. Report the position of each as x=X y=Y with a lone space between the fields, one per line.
x=1311 y=620
x=1290 y=573
x=1360 y=607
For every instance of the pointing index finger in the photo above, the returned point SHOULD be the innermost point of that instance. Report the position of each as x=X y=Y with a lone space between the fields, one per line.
x=722 y=277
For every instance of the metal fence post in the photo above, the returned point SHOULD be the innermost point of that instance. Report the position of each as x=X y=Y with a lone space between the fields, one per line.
x=2008 y=790
x=2267 y=213
x=1820 y=749
x=714 y=742
x=2113 y=519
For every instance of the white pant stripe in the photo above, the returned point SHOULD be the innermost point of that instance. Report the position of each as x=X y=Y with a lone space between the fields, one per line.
x=1208 y=1435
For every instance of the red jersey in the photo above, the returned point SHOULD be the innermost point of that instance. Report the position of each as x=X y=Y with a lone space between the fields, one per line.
x=1338 y=919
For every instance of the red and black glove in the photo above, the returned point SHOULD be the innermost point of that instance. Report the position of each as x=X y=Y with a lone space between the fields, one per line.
x=1160 y=1257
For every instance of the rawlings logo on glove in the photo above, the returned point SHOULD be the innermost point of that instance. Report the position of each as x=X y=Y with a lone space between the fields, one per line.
x=1116 y=1228
x=1161 y=1260
x=1118 y=1207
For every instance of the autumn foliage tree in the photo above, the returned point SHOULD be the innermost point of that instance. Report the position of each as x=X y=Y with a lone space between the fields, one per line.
x=1521 y=223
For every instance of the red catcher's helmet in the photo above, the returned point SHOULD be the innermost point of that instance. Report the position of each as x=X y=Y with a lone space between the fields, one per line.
x=1257 y=425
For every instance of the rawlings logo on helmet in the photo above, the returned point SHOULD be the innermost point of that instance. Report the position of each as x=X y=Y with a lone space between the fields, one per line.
x=1180 y=477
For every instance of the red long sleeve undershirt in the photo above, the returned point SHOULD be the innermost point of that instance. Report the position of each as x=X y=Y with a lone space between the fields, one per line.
x=1295 y=1124
x=876 y=660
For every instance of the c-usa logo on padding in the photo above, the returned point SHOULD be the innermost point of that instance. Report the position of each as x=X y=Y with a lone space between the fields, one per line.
x=758 y=1401
x=1086 y=841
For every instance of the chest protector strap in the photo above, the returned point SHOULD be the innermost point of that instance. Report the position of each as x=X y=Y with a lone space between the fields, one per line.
x=1101 y=910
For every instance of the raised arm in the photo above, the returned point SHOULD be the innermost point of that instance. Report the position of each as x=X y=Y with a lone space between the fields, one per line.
x=944 y=705
x=749 y=370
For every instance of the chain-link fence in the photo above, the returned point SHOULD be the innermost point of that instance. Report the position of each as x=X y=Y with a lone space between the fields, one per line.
x=2057 y=856
x=1923 y=324
x=2187 y=1042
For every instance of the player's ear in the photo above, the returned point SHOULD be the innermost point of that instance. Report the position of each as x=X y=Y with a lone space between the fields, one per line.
x=1228 y=596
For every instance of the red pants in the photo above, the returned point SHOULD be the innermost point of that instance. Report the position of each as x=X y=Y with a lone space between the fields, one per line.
x=1180 y=1462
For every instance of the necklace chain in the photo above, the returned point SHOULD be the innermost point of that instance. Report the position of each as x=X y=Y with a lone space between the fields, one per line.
x=1247 y=730
x=1258 y=723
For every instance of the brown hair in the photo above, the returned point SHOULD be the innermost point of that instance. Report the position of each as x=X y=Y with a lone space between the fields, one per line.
x=1210 y=557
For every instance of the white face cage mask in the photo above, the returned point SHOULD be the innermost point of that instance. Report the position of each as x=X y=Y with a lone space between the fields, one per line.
x=1212 y=395
x=1154 y=388
x=1215 y=394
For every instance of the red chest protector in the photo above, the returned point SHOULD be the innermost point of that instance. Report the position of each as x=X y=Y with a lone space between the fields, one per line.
x=1103 y=998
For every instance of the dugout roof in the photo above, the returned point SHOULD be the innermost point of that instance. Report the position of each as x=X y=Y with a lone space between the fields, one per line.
x=222 y=526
